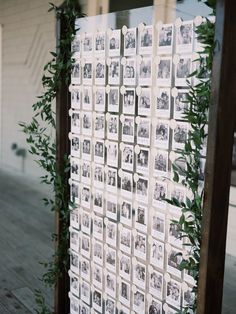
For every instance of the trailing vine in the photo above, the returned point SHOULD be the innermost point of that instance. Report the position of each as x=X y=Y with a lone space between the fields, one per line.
x=196 y=114
x=40 y=134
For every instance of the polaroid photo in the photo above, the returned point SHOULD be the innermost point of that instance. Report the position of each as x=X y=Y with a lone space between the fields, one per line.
x=146 y=40
x=110 y=306
x=111 y=180
x=88 y=44
x=111 y=233
x=180 y=135
x=76 y=74
x=76 y=47
x=74 y=305
x=130 y=42
x=85 y=291
x=178 y=196
x=100 y=44
x=111 y=259
x=128 y=129
x=87 y=122
x=124 y=293
x=97 y=276
x=86 y=196
x=173 y=262
x=202 y=169
x=85 y=268
x=165 y=39
x=156 y=284
x=74 y=284
x=125 y=240
x=158 y=226
x=202 y=72
x=139 y=275
x=114 y=43
x=75 y=146
x=157 y=254
x=114 y=72
x=180 y=163
x=144 y=131
x=142 y=161
x=74 y=218
x=159 y=194
x=162 y=133
x=98 y=228
x=126 y=213
x=98 y=252
x=139 y=302
x=182 y=70
x=86 y=222
x=155 y=307
x=86 y=172
x=189 y=298
x=99 y=126
x=98 y=202
x=75 y=168
x=113 y=127
x=129 y=101
x=75 y=192
x=111 y=206
x=184 y=37
x=175 y=235
x=173 y=293
x=145 y=72
x=87 y=100
x=99 y=151
x=74 y=262
x=181 y=104
x=75 y=122
x=140 y=246
x=100 y=72
x=97 y=300
x=141 y=218
x=88 y=72
x=161 y=160
x=74 y=240
x=100 y=99
x=129 y=72
x=127 y=185
x=85 y=245
x=84 y=309
x=145 y=102
x=127 y=157
x=142 y=188
x=112 y=154
x=164 y=72
x=75 y=98
x=114 y=99
x=163 y=102
x=125 y=267
x=110 y=284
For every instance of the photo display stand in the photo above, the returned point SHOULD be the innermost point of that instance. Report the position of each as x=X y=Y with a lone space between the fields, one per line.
x=128 y=94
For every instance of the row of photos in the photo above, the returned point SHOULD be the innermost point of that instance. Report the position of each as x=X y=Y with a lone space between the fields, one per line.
x=124 y=137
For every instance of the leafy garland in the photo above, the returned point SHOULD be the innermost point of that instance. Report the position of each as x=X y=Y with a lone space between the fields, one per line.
x=40 y=134
x=198 y=98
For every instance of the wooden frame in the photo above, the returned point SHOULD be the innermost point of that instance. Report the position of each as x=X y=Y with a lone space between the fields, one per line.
x=222 y=118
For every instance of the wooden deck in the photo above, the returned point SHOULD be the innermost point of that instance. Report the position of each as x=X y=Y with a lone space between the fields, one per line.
x=25 y=229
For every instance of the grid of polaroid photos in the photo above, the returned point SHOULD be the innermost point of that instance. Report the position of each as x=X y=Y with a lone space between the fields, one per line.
x=128 y=98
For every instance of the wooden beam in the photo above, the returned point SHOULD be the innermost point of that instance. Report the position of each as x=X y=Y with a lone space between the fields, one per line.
x=222 y=116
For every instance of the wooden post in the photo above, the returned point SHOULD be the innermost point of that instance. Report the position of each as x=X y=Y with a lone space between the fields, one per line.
x=222 y=118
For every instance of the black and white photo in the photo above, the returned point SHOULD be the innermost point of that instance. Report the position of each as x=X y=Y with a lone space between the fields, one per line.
x=162 y=134
x=111 y=206
x=178 y=195
x=97 y=301
x=146 y=40
x=86 y=196
x=114 y=99
x=74 y=305
x=139 y=275
x=110 y=284
x=130 y=42
x=144 y=131
x=184 y=37
x=84 y=308
x=76 y=47
x=98 y=227
x=85 y=292
x=111 y=233
x=126 y=213
x=156 y=284
x=100 y=99
x=74 y=218
x=85 y=245
x=129 y=101
x=173 y=293
x=142 y=161
x=110 y=306
x=142 y=187
x=128 y=129
x=161 y=163
x=111 y=180
x=181 y=104
x=174 y=259
x=158 y=226
x=87 y=99
x=125 y=267
x=113 y=127
x=159 y=194
x=88 y=72
x=180 y=135
x=114 y=72
x=97 y=276
x=188 y=297
x=110 y=259
x=76 y=74
x=145 y=72
x=127 y=185
x=157 y=254
x=75 y=146
x=164 y=68
x=139 y=302
x=127 y=157
x=183 y=70
x=114 y=43
x=112 y=154
x=145 y=102
x=86 y=222
x=100 y=44
x=129 y=72
x=75 y=122
x=99 y=126
x=87 y=121
x=88 y=44
x=124 y=293
x=99 y=151
x=125 y=240
x=74 y=240
x=100 y=72
x=140 y=246
x=165 y=39
x=155 y=307
x=74 y=284
x=75 y=168
x=98 y=201
x=74 y=262
x=75 y=192
x=163 y=102
x=175 y=235
x=85 y=268
x=98 y=252
x=86 y=172
x=141 y=218
x=75 y=98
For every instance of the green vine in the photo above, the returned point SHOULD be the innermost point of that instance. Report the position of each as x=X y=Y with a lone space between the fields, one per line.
x=198 y=98
x=40 y=134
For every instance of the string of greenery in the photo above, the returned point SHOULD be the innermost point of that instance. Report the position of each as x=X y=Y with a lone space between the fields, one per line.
x=198 y=100
x=40 y=134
